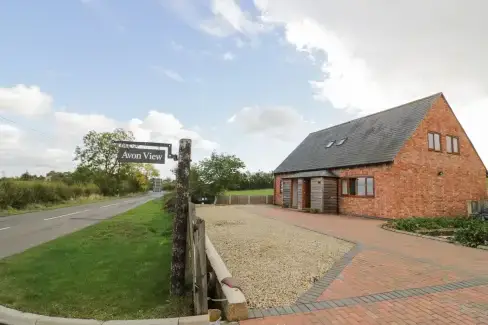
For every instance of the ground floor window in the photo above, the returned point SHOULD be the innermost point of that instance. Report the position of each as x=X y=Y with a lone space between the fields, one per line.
x=281 y=186
x=358 y=186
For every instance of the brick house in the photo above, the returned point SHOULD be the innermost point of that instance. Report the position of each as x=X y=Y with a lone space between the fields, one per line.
x=410 y=160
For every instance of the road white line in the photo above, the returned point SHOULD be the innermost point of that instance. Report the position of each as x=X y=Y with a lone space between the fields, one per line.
x=4 y=228
x=65 y=215
x=110 y=205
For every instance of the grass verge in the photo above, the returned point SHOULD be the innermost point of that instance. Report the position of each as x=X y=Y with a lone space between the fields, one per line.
x=71 y=203
x=265 y=191
x=116 y=269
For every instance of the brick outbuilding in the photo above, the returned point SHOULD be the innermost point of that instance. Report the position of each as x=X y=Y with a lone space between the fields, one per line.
x=411 y=160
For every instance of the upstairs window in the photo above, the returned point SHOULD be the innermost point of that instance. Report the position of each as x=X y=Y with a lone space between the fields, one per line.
x=434 y=141
x=330 y=144
x=452 y=144
x=360 y=186
x=281 y=186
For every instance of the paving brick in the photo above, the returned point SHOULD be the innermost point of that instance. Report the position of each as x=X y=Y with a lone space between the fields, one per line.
x=273 y=312
x=258 y=313
x=404 y=277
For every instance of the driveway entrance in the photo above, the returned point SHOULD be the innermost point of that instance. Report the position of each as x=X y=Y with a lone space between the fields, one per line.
x=389 y=278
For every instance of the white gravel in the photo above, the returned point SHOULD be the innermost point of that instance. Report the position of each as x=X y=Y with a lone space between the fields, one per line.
x=274 y=262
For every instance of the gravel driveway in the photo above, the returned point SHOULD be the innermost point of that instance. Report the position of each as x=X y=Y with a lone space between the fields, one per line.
x=275 y=262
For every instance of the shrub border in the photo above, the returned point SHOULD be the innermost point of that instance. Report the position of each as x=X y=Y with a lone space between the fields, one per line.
x=386 y=227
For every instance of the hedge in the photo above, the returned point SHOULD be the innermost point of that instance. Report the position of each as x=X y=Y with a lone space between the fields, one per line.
x=21 y=194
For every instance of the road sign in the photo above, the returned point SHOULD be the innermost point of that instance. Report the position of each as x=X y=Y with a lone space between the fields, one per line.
x=136 y=155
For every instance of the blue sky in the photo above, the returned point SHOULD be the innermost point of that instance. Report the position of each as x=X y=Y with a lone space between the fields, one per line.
x=106 y=62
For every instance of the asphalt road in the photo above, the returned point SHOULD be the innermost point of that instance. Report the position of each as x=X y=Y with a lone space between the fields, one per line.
x=20 y=232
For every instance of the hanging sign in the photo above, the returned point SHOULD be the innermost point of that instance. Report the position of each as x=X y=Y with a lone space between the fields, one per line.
x=136 y=155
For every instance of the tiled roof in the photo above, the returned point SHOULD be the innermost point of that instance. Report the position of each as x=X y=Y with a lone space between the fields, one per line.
x=375 y=138
x=319 y=173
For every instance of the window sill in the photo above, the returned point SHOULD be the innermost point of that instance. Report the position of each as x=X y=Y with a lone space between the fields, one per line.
x=359 y=196
x=432 y=150
x=454 y=153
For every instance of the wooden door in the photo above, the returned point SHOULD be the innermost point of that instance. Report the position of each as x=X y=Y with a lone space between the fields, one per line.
x=331 y=195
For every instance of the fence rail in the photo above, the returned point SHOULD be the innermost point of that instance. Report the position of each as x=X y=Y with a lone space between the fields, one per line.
x=244 y=199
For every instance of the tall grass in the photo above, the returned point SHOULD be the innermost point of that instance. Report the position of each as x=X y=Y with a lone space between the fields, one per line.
x=21 y=194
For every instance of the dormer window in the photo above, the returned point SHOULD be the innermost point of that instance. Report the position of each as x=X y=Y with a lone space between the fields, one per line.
x=341 y=141
x=330 y=144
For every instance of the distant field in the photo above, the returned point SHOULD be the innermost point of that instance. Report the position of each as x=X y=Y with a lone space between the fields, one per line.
x=266 y=191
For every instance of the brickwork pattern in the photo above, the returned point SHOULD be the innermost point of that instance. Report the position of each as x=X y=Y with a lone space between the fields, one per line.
x=467 y=306
x=388 y=278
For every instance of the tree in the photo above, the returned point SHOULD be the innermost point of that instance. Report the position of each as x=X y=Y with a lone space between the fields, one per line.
x=98 y=159
x=144 y=173
x=99 y=152
x=219 y=172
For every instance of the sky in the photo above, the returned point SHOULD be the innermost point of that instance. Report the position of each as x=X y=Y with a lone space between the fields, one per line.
x=250 y=77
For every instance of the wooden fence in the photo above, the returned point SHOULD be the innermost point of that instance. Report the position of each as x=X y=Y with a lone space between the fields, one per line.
x=196 y=261
x=244 y=199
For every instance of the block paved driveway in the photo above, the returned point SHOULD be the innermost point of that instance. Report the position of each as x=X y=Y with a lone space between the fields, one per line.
x=388 y=278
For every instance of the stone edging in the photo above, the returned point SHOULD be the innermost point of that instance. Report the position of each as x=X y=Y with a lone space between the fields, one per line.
x=312 y=294
x=14 y=317
x=386 y=227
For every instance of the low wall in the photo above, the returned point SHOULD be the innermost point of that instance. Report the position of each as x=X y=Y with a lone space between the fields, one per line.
x=230 y=300
x=244 y=199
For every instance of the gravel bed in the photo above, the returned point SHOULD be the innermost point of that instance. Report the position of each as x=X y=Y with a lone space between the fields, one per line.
x=274 y=262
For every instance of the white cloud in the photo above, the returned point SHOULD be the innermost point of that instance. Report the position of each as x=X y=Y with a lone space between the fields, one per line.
x=173 y=75
x=38 y=152
x=25 y=100
x=226 y=17
x=76 y=123
x=376 y=58
x=228 y=56
x=10 y=136
x=229 y=18
x=278 y=122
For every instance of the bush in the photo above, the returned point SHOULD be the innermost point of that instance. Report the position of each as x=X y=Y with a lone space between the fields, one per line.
x=21 y=194
x=473 y=233
x=169 y=202
x=414 y=224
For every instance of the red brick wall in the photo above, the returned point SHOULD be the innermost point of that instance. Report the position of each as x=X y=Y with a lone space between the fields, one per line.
x=411 y=185
x=378 y=206
x=417 y=168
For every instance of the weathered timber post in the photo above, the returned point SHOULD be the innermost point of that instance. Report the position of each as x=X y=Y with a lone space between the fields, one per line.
x=180 y=222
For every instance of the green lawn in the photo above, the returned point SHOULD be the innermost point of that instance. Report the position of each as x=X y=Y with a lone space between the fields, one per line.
x=117 y=269
x=266 y=191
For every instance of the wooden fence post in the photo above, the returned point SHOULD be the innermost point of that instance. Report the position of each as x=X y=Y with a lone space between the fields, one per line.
x=190 y=254
x=248 y=199
x=200 y=288
x=180 y=222
x=230 y=199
